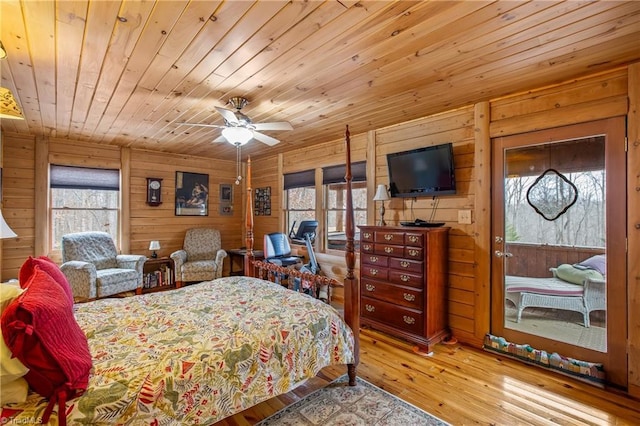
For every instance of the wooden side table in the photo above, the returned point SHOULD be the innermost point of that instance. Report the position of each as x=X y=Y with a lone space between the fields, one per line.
x=236 y=256
x=158 y=274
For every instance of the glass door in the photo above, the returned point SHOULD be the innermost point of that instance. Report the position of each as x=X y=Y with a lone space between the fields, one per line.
x=558 y=262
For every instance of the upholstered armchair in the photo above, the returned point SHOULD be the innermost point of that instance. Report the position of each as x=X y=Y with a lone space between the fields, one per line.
x=201 y=257
x=94 y=268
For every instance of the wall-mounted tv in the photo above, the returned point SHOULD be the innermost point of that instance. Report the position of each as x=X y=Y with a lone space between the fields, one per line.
x=422 y=172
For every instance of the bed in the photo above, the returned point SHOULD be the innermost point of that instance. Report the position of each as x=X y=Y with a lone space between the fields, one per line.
x=198 y=354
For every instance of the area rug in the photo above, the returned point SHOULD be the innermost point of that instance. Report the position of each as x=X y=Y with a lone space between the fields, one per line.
x=341 y=404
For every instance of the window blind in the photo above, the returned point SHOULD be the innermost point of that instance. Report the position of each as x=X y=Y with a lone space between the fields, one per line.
x=83 y=178
x=335 y=174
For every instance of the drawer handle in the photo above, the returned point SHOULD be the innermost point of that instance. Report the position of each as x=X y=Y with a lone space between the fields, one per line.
x=409 y=320
x=374 y=259
x=413 y=252
x=370 y=308
x=373 y=271
x=366 y=246
x=404 y=264
x=366 y=235
x=388 y=237
x=370 y=287
x=409 y=297
x=413 y=238
x=388 y=249
x=405 y=278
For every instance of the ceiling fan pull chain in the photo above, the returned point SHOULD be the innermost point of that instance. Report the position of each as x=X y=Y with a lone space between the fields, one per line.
x=238 y=165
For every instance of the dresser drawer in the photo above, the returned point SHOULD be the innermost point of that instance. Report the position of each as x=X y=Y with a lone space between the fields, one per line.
x=406 y=278
x=366 y=236
x=399 y=317
x=400 y=295
x=414 y=253
x=374 y=259
x=388 y=250
x=414 y=239
x=389 y=237
x=366 y=247
x=414 y=266
x=373 y=271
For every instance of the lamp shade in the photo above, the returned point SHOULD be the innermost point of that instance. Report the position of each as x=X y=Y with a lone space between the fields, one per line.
x=5 y=231
x=381 y=193
x=237 y=135
x=154 y=245
x=8 y=106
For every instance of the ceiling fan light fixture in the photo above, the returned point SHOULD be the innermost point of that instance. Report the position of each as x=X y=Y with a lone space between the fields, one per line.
x=237 y=135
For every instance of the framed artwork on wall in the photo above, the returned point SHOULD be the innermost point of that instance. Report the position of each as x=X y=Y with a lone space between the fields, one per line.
x=192 y=194
x=262 y=202
x=226 y=199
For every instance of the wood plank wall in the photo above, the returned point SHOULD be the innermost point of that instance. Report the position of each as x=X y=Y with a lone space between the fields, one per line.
x=583 y=99
x=142 y=222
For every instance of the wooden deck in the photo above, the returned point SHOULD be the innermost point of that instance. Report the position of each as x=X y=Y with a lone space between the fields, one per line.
x=464 y=385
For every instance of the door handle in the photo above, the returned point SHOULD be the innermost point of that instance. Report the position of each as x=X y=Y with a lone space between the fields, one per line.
x=498 y=253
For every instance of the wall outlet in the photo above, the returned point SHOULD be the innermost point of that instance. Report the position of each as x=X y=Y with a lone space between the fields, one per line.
x=464 y=217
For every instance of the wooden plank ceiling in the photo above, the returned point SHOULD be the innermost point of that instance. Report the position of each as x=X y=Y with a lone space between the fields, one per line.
x=126 y=72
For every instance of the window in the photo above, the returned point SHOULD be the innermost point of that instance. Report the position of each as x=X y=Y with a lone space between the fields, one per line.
x=301 y=197
x=337 y=214
x=83 y=199
x=336 y=202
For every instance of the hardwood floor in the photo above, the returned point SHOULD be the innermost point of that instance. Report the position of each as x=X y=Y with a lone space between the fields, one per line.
x=464 y=385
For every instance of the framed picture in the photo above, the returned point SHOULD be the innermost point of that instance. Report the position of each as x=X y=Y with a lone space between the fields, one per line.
x=226 y=193
x=192 y=194
x=262 y=202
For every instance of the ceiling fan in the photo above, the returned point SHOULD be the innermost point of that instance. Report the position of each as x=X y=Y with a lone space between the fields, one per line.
x=238 y=129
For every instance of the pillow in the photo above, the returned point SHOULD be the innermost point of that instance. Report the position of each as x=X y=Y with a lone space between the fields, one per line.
x=48 y=266
x=41 y=331
x=575 y=275
x=597 y=262
x=13 y=387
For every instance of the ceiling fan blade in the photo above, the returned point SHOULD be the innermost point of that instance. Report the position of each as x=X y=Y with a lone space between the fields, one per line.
x=276 y=125
x=265 y=139
x=203 y=125
x=228 y=115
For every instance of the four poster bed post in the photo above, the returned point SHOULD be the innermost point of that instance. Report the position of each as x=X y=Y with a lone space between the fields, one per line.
x=351 y=284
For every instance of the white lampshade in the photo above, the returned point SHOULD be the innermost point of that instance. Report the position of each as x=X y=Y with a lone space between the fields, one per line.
x=5 y=231
x=8 y=106
x=154 y=245
x=381 y=193
x=237 y=135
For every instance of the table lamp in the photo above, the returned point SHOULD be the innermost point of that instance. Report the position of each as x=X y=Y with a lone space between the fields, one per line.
x=5 y=231
x=381 y=195
x=154 y=245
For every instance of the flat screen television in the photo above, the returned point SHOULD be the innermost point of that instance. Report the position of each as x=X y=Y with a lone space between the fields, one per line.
x=422 y=172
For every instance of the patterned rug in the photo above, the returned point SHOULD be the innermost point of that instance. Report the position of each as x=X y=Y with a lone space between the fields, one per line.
x=341 y=404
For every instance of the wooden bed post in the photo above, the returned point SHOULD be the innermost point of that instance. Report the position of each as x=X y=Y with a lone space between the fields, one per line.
x=249 y=268
x=351 y=284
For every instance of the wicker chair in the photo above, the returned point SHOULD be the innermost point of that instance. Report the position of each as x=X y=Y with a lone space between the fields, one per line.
x=201 y=257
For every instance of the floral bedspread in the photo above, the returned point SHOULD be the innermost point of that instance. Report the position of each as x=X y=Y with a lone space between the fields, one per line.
x=200 y=353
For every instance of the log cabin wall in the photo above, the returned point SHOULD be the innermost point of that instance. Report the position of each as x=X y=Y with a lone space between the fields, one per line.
x=610 y=94
x=26 y=207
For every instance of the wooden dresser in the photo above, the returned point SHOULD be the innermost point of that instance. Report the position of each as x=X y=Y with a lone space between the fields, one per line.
x=403 y=276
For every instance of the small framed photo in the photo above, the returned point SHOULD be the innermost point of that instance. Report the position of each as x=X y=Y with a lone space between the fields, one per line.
x=226 y=193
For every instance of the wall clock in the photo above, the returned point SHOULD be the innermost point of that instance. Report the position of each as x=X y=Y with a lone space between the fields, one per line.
x=154 y=191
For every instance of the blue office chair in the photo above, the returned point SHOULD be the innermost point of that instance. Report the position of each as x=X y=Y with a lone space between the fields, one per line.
x=278 y=251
